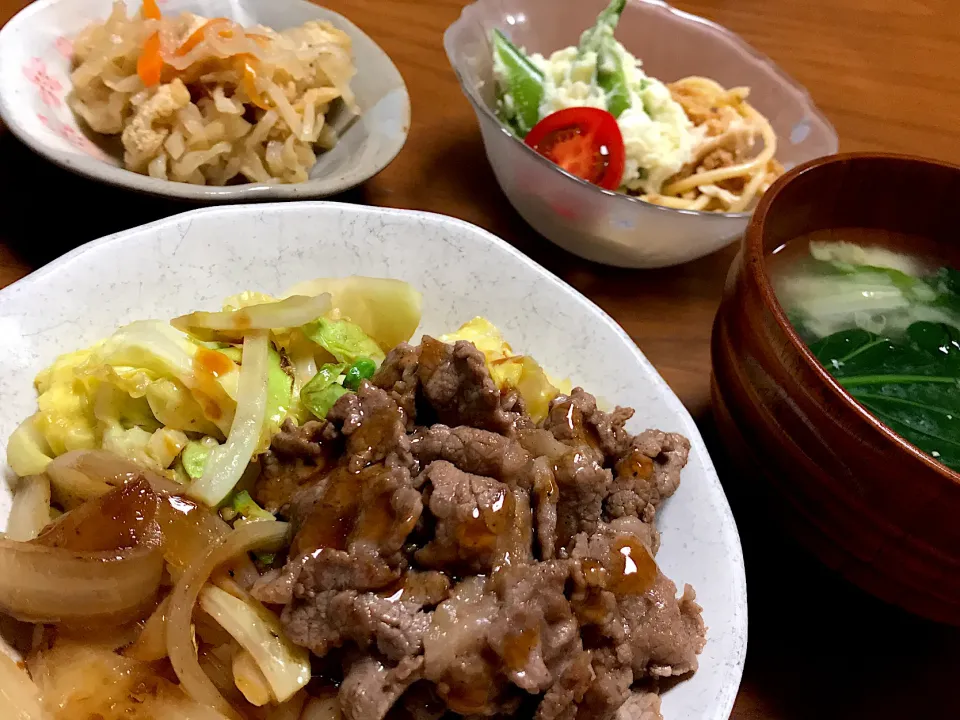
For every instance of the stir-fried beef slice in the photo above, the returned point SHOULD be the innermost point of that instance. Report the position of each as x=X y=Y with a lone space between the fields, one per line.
x=665 y=633
x=421 y=702
x=583 y=483
x=535 y=629
x=457 y=657
x=340 y=597
x=579 y=623
x=573 y=680
x=456 y=383
x=374 y=426
x=647 y=473
x=398 y=376
x=370 y=687
x=610 y=688
x=640 y=706
x=376 y=507
x=650 y=629
x=479 y=452
x=479 y=521
x=576 y=420
x=297 y=456
x=546 y=495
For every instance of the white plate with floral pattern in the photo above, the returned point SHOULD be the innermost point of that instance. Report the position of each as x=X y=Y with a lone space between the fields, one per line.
x=35 y=63
x=193 y=261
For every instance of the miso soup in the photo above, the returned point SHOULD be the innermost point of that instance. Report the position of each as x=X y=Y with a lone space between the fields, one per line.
x=885 y=323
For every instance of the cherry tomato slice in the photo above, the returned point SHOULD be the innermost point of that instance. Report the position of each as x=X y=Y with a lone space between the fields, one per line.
x=585 y=142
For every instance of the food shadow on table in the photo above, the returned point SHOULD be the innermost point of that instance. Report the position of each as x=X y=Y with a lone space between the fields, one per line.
x=820 y=647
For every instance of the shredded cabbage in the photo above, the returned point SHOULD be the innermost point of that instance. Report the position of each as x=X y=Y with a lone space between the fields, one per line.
x=346 y=341
x=387 y=310
x=292 y=311
x=320 y=394
x=227 y=462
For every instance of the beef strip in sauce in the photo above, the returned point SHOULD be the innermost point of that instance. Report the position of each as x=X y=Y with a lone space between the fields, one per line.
x=455 y=557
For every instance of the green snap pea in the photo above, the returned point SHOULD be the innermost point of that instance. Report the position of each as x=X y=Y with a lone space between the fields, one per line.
x=519 y=85
x=611 y=75
x=362 y=369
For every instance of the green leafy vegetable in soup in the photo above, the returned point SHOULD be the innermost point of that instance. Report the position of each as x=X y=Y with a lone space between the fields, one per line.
x=888 y=329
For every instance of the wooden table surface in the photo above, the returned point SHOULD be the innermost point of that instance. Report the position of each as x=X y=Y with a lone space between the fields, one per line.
x=887 y=74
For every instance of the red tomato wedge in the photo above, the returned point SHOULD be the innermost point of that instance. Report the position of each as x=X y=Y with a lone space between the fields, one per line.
x=585 y=142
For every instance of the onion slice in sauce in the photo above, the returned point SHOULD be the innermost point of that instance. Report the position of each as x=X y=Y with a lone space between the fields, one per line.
x=30 y=511
x=290 y=312
x=268 y=536
x=43 y=584
x=19 y=695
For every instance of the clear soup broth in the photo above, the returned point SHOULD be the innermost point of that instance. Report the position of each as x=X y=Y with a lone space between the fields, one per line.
x=883 y=317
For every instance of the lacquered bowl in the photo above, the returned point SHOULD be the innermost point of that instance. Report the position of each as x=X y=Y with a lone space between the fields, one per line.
x=601 y=225
x=870 y=505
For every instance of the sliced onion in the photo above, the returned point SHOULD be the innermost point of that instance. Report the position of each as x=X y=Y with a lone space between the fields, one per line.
x=226 y=463
x=290 y=312
x=322 y=707
x=81 y=475
x=189 y=530
x=122 y=518
x=291 y=709
x=253 y=536
x=55 y=585
x=19 y=696
x=249 y=679
x=30 y=511
x=151 y=644
x=285 y=667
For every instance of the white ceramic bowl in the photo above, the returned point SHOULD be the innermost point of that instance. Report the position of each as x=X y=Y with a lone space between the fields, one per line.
x=194 y=260
x=35 y=52
x=597 y=224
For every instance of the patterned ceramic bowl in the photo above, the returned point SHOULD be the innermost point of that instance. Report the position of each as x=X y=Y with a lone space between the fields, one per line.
x=35 y=59
x=597 y=224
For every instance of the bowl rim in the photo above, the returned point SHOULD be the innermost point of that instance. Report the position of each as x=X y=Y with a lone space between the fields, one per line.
x=119 y=176
x=754 y=260
x=481 y=107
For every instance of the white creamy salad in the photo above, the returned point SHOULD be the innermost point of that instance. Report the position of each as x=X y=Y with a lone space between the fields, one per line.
x=658 y=137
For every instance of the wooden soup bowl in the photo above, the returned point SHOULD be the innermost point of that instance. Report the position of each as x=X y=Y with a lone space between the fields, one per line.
x=870 y=505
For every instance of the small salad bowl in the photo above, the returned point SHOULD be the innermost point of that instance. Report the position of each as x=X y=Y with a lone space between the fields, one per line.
x=35 y=64
x=601 y=225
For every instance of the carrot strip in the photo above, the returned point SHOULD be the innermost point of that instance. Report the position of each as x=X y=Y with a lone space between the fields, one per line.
x=245 y=65
x=150 y=62
x=198 y=35
x=151 y=11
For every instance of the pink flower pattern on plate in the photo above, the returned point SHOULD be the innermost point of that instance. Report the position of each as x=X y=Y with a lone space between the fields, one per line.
x=77 y=139
x=36 y=72
x=64 y=46
x=73 y=136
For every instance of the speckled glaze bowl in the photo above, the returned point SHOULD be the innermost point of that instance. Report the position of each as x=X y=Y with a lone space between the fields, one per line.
x=584 y=219
x=35 y=52
x=193 y=261
x=870 y=505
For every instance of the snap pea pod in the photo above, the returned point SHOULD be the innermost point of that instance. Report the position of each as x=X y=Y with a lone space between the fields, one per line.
x=611 y=75
x=520 y=85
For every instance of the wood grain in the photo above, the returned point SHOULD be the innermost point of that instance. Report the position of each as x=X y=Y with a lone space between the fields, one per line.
x=886 y=72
